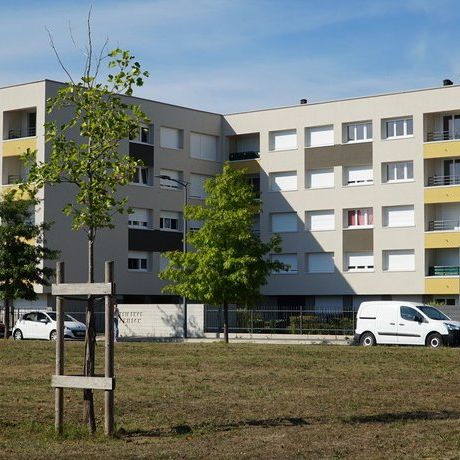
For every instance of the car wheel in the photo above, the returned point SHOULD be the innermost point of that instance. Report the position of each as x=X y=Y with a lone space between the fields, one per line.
x=434 y=340
x=17 y=335
x=367 y=339
x=53 y=336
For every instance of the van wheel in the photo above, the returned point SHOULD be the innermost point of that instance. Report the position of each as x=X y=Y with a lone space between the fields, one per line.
x=434 y=340
x=367 y=339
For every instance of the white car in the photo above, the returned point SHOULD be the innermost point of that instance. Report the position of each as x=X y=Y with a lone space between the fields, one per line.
x=42 y=325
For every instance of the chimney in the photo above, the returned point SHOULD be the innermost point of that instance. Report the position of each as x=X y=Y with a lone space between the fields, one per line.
x=303 y=101
x=447 y=82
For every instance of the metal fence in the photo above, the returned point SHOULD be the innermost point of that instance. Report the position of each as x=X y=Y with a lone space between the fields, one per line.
x=291 y=320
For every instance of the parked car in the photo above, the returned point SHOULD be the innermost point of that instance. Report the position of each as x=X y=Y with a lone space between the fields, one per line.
x=2 y=329
x=42 y=325
x=404 y=323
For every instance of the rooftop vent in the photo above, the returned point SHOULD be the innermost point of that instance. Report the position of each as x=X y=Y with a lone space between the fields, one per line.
x=447 y=82
x=303 y=101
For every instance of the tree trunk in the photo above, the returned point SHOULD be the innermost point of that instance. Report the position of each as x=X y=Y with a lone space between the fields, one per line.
x=226 y=322
x=6 y=304
x=90 y=345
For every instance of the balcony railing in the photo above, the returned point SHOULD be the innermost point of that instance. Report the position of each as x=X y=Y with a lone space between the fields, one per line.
x=444 y=270
x=440 y=225
x=248 y=155
x=14 y=179
x=18 y=133
x=442 y=136
x=437 y=181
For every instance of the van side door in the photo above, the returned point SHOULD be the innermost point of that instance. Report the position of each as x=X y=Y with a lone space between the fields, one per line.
x=411 y=327
x=386 y=324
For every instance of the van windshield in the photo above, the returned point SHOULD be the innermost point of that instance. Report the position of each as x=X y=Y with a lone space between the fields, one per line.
x=433 y=313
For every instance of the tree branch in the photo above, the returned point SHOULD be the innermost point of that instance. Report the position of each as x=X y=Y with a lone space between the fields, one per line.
x=53 y=47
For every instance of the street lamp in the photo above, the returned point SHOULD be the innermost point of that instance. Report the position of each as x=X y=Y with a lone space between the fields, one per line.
x=184 y=185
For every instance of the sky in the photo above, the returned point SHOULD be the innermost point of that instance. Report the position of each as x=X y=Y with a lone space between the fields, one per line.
x=234 y=55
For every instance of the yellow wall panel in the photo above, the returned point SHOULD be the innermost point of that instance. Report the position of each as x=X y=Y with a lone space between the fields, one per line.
x=449 y=194
x=442 y=240
x=252 y=166
x=442 y=285
x=441 y=149
x=17 y=147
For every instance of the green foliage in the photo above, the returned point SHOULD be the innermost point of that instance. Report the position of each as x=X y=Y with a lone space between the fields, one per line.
x=22 y=248
x=228 y=263
x=91 y=161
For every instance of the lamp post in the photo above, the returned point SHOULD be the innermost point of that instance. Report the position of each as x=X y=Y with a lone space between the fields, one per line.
x=184 y=185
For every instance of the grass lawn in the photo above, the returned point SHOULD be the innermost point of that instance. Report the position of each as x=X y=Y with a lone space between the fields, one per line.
x=241 y=400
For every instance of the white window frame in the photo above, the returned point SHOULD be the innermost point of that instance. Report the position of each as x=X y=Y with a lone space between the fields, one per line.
x=403 y=252
x=180 y=138
x=360 y=268
x=291 y=270
x=325 y=128
x=394 y=178
x=167 y=219
x=363 y=181
x=283 y=174
x=200 y=137
x=138 y=178
x=137 y=223
x=288 y=132
x=329 y=171
x=202 y=192
x=169 y=184
x=311 y=255
x=354 y=127
x=326 y=212
x=366 y=218
x=393 y=134
x=276 y=216
x=143 y=258
x=403 y=208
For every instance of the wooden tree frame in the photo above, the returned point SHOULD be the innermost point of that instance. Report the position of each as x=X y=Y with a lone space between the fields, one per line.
x=59 y=381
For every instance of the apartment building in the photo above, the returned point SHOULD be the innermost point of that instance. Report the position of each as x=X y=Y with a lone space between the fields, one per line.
x=365 y=192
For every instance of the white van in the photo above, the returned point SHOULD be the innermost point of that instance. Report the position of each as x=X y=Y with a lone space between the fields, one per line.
x=404 y=323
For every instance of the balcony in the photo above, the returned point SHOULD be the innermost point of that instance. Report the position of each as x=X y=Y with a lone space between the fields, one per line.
x=240 y=156
x=17 y=146
x=437 y=136
x=18 y=133
x=443 y=225
x=444 y=270
x=442 y=285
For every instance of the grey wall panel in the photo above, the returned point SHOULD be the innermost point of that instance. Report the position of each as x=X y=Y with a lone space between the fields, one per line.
x=358 y=240
x=338 y=155
x=154 y=240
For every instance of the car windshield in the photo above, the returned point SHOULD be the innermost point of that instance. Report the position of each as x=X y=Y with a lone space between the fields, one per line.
x=52 y=315
x=433 y=313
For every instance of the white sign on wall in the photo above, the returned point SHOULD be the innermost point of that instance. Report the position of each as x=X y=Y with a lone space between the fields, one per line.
x=160 y=320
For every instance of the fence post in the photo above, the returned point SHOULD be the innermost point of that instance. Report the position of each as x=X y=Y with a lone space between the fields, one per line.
x=252 y=321
x=109 y=354
x=59 y=392
x=301 y=320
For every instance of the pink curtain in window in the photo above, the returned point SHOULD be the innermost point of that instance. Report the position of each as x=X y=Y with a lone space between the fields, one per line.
x=351 y=218
x=370 y=217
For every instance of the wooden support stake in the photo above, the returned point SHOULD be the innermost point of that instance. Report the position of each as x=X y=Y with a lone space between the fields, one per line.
x=109 y=354
x=59 y=392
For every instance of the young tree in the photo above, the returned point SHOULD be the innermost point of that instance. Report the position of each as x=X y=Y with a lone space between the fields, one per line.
x=22 y=250
x=93 y=163
x=228 y=263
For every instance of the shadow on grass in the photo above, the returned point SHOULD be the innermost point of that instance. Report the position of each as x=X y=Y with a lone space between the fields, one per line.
x=182 y=430
x=404 y=416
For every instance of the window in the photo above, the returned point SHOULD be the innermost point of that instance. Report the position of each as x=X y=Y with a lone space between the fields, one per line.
x=399 y=127
x=144 y=135
x=319 y=136
x=283 y=181
x=171 y=138
x=197 y=186
x=284 y=222
x=320 y=220
x=358 y=132
x=194 y=225
x=140 y=218
x=142 y=176
x=288 y=259
x=203 y=146
x=398 y=172
x=138 y=261
x=283 y=140
x=359 y=262
x=164 y=261
x=169 y=220
x=359 y=175
x=410 y=314
x=165 y=183
x=320 y=262
x=362 y=217
x=401 y=260
x=320 y=178
x=398 y=216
